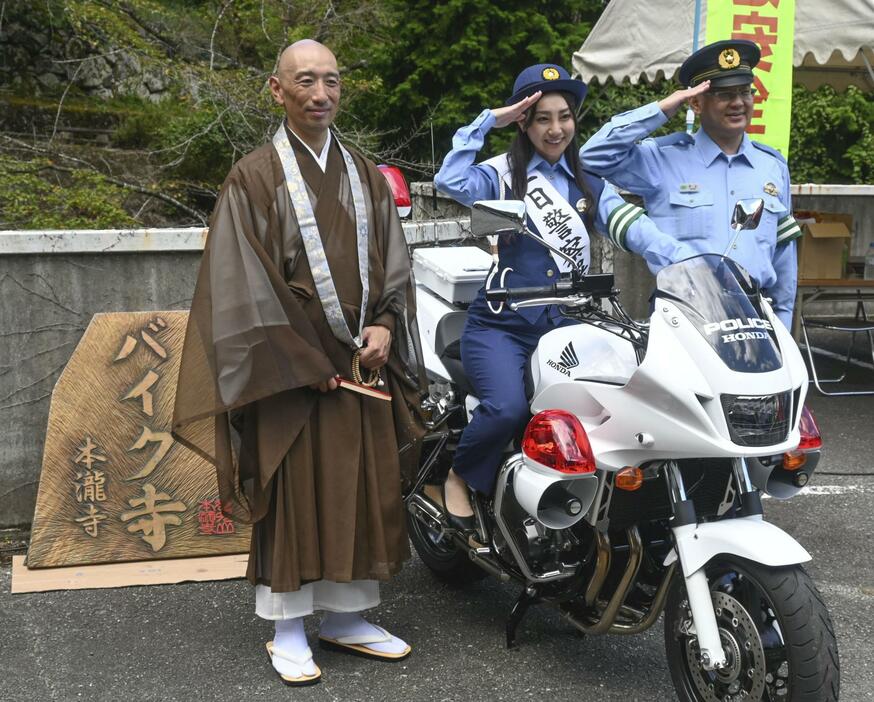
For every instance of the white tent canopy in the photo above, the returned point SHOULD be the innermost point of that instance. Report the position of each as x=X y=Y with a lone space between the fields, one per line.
x=642 y=39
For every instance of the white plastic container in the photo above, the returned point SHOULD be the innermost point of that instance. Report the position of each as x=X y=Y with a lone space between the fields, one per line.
x=455 y=273
x=869 y=263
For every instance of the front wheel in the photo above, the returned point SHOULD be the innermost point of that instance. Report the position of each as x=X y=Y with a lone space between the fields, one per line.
x=775 y=629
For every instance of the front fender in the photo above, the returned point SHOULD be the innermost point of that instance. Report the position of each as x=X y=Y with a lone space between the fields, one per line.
x=748 y=537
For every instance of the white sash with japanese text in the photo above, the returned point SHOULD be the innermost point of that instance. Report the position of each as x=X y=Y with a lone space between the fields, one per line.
x=553 y=217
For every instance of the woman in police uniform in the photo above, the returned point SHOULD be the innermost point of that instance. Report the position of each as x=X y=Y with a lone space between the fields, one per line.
x=563 y=202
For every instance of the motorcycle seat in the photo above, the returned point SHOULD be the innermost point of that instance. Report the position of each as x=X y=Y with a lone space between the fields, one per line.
x=447 y=346
x=447 y=335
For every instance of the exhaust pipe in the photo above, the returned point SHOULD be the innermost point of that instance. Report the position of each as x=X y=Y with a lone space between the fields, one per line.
x=482 y=557
x=608 y=617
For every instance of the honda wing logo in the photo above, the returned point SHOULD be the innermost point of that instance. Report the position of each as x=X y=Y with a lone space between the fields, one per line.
x=569 y=357
x=567 y=360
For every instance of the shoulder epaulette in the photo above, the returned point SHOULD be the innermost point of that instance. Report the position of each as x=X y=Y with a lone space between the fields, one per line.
x=595 y=183
x=675 y=139
x=769 y=150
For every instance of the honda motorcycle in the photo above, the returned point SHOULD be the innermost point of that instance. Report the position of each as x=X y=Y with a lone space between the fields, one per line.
x=636 y=487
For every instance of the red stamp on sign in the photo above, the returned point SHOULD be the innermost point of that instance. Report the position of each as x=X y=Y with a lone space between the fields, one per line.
x=213 y=519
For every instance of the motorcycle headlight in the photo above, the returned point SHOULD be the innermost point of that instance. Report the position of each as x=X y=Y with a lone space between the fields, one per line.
x=757 y=420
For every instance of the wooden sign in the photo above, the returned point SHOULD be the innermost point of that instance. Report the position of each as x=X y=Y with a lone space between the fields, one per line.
x=115 y=486
x=167 y=572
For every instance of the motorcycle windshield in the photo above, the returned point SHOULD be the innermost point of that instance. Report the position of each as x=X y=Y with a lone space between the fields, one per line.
x=722 y=301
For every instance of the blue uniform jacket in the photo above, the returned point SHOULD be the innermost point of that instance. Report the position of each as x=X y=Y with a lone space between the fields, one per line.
x=689 y=186
x=622 y=223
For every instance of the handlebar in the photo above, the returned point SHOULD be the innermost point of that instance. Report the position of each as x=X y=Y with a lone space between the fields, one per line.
x=598 y=286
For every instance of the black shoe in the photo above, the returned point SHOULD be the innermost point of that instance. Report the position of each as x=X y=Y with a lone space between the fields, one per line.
x=462 y=524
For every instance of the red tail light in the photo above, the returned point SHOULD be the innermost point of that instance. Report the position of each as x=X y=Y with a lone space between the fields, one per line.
x=810 y=436
x=399 y=188
x=557 y=440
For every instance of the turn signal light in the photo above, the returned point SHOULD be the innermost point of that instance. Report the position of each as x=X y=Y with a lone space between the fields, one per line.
x=810 y=436
x=629 y=478
x=557 y=440
x=793 y=460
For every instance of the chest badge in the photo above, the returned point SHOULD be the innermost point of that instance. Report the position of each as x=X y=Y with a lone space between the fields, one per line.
x=771 y=189
x=689 y=187
x=581 y=205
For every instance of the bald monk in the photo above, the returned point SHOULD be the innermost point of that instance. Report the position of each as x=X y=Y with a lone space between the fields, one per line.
x=305 y=280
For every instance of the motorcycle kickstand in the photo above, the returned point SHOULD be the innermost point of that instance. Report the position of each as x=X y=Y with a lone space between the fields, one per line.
x=526 y=598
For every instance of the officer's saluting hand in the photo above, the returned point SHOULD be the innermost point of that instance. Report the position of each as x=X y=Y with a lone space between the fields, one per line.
x=675 y=100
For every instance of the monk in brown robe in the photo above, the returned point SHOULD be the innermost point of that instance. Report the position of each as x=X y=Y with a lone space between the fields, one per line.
x=275 y=322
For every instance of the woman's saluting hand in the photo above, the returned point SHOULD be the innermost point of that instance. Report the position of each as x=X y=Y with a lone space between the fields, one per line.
x=515 y=112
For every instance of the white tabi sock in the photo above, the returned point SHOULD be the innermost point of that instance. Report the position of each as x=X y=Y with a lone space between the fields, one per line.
x=292 y=639
x=338 y=624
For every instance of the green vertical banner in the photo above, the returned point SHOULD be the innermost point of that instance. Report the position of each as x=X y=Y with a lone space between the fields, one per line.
x=771 y=25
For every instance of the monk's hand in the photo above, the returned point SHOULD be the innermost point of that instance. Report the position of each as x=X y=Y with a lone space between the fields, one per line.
x=326 y=385
x=674 y=101
x=377 y=342
x=515 y=112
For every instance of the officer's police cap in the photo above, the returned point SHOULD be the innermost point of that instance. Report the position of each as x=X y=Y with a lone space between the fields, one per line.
x=723 y=63
x=549 y=78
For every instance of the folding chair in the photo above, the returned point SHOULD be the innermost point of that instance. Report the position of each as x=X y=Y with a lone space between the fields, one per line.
x=857 y=324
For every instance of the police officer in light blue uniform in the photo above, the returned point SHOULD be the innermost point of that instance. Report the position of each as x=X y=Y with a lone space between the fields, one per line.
x=690 y=183
x=564 y=203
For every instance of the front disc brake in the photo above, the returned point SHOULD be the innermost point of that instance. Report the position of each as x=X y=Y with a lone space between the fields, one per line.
x=743 y=677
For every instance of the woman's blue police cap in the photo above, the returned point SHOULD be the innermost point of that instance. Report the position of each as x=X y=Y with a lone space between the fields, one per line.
x=549 y=78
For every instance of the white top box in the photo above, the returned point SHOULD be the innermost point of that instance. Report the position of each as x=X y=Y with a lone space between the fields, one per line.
x=455 y=273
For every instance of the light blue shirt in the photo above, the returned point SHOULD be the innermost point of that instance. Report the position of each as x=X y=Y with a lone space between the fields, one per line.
x=690 y=186
x=624 y=224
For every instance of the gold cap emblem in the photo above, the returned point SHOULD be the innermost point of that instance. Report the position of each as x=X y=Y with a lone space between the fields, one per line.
x=550 y=74
x=729 y=58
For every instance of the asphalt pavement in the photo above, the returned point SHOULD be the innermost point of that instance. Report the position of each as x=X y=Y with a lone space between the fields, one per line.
x=204 y=642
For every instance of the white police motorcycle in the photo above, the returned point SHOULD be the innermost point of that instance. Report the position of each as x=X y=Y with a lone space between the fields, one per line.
x=636 y=487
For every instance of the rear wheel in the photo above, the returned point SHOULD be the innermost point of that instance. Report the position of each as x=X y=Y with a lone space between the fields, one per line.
x=775 y=629
x=447 y=561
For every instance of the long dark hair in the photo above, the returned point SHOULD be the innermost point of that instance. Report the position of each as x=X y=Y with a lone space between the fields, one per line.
x=522 y=150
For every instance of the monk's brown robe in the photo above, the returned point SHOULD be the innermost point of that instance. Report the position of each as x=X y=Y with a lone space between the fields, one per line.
x=319 y=474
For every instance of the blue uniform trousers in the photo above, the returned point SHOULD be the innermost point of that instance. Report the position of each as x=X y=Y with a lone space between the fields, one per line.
x=495 y=350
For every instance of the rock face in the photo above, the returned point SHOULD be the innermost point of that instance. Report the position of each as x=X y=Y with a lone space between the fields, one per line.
x=30 y=56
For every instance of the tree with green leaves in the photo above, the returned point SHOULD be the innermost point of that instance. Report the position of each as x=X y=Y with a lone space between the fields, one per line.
x=451 y=58
x=141 y=106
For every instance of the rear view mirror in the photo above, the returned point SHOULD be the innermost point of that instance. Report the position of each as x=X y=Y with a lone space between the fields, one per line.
x=489 y=217
x=747 y=214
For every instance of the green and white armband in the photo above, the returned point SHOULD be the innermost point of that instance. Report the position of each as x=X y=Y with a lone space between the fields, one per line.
x=787 y=230
x=620 y=220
